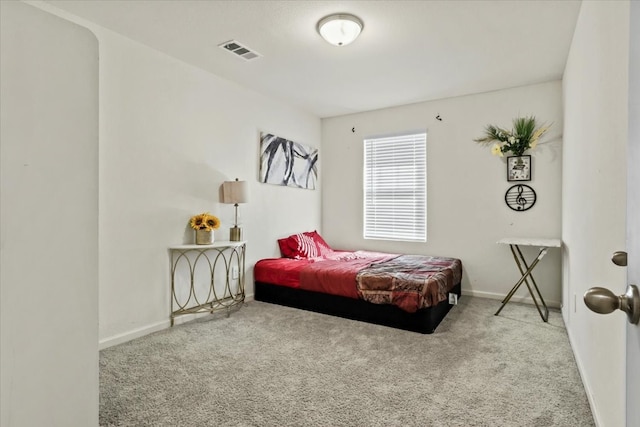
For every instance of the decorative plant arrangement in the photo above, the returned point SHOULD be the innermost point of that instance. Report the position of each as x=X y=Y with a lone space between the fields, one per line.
x=205 y=221
x=524 y=136
x=204 y=224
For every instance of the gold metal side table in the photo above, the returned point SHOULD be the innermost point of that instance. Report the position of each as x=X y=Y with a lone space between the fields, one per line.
x=207 y=277
x=526 y=269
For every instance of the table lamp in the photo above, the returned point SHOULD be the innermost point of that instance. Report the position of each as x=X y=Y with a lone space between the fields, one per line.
x=234 y=192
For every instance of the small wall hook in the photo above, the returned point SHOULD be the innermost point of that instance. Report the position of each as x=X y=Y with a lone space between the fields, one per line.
x=438 y=117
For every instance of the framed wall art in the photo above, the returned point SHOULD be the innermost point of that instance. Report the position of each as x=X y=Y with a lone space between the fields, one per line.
x=519 y=168
x=284 y=162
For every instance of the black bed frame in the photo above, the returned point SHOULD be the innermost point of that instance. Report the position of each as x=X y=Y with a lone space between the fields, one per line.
x=424 y=320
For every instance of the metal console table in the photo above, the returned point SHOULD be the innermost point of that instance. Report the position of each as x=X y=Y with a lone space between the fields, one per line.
x=526 y=271
x=214 y=275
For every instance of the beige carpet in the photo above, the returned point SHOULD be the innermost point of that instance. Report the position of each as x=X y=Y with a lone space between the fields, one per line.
x=268 y=365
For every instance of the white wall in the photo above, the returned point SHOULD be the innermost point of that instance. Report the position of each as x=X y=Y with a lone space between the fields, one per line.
x=466 y=212
x=170 y=134
x=595 y=89
x=49 y=220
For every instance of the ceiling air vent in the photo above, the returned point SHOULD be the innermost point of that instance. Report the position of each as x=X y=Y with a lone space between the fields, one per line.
x=240 y=50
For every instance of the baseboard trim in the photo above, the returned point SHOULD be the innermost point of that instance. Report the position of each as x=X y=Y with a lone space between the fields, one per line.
x=131 y=335
x=515 y=298
x=154 y=327
x=585 y=384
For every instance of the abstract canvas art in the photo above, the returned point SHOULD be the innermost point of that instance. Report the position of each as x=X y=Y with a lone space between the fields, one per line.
x=284 y=162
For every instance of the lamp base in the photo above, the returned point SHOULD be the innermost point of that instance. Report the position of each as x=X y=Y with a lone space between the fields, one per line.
x=235 y=234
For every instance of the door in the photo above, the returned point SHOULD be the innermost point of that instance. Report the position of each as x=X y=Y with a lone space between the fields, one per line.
x=602 y=300
x=633 y=214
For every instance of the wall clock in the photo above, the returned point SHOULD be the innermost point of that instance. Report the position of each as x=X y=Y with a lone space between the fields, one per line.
x=519 y=168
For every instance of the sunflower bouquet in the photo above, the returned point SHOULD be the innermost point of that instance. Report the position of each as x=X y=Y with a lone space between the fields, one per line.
x=524 y=136
x=204 y=221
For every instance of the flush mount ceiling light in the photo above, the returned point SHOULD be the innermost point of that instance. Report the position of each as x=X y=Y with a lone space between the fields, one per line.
x=340 y=29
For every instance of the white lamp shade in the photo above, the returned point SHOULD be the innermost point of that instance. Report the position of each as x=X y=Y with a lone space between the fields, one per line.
x=340 y=30
x=234 y=192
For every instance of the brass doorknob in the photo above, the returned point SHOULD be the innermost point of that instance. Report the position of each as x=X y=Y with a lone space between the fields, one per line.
x=603 y=301
x=619 y=258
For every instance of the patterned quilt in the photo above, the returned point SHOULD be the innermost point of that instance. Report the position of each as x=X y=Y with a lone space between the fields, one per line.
x=411 y=282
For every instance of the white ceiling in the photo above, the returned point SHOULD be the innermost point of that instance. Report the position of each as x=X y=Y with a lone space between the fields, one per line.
x=409 y=51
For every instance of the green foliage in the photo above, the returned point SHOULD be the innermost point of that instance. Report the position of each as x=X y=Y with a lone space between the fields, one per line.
x=522 y=137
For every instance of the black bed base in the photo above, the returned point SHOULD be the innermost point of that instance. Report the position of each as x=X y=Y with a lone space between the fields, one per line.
x=424 y=320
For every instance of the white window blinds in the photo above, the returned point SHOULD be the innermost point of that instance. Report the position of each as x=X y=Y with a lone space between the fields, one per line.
x=395 y=188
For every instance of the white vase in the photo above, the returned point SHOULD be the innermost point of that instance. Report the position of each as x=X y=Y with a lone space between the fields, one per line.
x=204 y=237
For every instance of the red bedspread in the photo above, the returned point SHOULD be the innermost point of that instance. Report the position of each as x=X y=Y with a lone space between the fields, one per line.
x=409 y=281
x=337 y=275
x=280 y=271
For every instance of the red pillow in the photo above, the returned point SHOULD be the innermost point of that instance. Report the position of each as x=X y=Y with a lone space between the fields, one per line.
x=288 y=247
x=321 y=245
x=304 y=245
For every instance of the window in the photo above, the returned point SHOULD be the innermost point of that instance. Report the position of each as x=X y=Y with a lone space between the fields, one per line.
x=395 y=188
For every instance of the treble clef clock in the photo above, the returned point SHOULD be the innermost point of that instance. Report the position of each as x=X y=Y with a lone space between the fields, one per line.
x=520 y=197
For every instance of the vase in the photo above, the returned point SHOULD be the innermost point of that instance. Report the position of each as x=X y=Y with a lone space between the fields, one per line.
x=204 y=237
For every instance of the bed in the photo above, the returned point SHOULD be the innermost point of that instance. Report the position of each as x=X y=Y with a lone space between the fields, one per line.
x=410 y=292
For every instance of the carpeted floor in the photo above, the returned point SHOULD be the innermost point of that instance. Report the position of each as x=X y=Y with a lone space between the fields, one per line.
x=268 y=365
